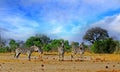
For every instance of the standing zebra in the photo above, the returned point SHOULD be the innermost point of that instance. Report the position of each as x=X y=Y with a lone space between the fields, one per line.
x=61 y=51
x=78 y=50
x=27 y=51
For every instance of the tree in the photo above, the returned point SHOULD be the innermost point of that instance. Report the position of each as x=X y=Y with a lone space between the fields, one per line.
x=13 y=44
x=4 y=49
x=67 y=46
x=38 y=40
x=2 y=41
x=55 y=44
x=33 y=41
x=74 y=44
x=95 y=34
x=21 y=43
x=44 y=38
x=47 y=48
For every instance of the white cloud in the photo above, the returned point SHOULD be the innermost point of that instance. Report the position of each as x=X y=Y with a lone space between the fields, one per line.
x=57 y=30
x=110 y=23
x=115 y=25
x=19 y=27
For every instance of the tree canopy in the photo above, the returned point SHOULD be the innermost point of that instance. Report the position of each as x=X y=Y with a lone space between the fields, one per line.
x=38 y=40
x=95 y=34
x=13 y=44
x=74 y=44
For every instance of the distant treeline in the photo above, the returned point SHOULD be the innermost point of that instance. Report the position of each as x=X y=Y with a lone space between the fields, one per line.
x=96 y=40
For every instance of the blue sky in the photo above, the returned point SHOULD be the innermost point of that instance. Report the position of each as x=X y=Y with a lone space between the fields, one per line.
x=67 y=19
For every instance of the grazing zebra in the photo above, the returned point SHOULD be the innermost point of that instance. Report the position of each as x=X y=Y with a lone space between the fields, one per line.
x=61 y=51
x=27 y=51
x=78 y=50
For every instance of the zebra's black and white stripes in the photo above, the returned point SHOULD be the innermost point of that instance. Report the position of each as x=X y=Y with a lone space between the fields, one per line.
x=61 y=51
x=27 y=51
x=79 y=50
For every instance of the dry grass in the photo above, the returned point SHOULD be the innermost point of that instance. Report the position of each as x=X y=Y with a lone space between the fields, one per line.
x=50 y=63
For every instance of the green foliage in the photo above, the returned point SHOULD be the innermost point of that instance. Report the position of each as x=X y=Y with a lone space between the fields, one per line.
x=117 y=51
x=96 y=47
x=2 y=42
x=5 y=49
x=13 y=45
x=44 y=38
x=87 y=48
x=104 y=46
x=38 y=40
x=33 y=41
x=74 y=44
x=67 y=46
x=47 y=48
x=55 y=44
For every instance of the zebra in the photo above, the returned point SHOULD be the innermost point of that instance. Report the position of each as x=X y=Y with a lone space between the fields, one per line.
x=61 y=51
x=27 y=51
x=78 y=50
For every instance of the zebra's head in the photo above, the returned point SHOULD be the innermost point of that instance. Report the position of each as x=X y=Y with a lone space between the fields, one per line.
x=82 y=46
x=37 y=49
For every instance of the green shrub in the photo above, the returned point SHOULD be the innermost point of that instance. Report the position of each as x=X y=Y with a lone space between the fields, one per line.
x=104 y=46
x=3 y=50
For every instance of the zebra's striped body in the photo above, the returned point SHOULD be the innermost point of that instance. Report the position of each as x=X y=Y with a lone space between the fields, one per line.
x=61 y=51
x=78 y=50
x=82 y=49
x=27 y=51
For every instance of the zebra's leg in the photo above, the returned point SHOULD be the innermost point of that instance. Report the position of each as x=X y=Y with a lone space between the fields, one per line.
x=62 y=57
x=29 y=56
x=81 y=57
x=17 y=55
x=71 y=57
x=41 y=56
x=59 y=57
x=75 y=57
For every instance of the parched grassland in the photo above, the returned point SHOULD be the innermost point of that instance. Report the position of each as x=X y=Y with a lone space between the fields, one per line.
x=50 y=63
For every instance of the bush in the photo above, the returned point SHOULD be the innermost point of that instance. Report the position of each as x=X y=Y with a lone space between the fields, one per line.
x=117 y=51
x=4 y=49
x=47 y=48
x=104 y=46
